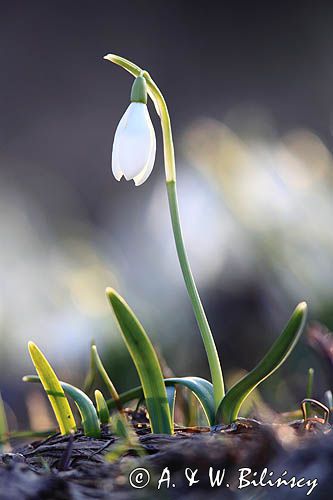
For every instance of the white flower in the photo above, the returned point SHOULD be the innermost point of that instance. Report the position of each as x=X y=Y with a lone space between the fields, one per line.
x=134 y=147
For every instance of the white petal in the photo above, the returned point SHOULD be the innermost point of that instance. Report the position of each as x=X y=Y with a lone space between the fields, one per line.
x=143 y=176
x=116 y=170
x=115 y=162
x=133 y=141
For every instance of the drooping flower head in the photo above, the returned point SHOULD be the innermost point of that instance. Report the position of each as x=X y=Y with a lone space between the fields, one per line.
x=134 y=146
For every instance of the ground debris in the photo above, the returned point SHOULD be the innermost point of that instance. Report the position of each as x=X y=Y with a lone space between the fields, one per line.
x=74 y=468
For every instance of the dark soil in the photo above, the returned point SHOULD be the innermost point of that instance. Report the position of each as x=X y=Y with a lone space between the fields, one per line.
x=75 y=468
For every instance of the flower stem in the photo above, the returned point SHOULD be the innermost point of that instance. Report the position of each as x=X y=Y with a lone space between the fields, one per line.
x=207 y=336
x=170 y=173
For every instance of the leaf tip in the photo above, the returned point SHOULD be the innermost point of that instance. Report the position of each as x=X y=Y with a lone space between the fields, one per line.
x=113 y=296
x=302 y=308
x=110 y=291
x=109 y=57
x=32 y=347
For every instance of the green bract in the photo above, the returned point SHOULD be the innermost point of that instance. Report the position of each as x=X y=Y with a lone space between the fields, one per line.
x=139 y=90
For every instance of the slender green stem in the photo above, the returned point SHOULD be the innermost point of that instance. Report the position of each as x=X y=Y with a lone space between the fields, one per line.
x=170 y=173
x=207 y=336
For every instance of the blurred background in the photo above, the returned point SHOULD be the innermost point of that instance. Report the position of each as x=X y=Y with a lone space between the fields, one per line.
x=249 y=87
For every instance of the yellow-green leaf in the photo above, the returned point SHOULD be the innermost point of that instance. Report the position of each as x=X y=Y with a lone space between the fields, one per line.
x=102 y=408
x=53 y=389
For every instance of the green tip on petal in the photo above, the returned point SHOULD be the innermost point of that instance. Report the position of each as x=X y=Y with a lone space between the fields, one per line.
x=139 y=90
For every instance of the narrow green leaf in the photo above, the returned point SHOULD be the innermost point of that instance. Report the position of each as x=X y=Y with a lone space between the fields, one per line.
x=90 y=377
x=102 y=407
x=280 y=350
x=309 y=386
x=125 y=397
x=200 y=387
x=3 y=422
x=128 y=439
x=121 y=428
x=89 y=418
x=146 y=362
x=27 y=434
x=53 y=389
x=171 y=395
x=105 y=377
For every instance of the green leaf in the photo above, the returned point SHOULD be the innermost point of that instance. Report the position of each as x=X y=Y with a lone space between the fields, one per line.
x=27 y=434
x=104 y=375
x=128 y=439
x=89 y=418
x=121 y=428
x=280 y=350
x=146 y=362
x=200 y=387
x=102 y=407
x=53 y=389
x=309 y=386
x=125 y=397
x=3 y=422
x=171 y=395
x=90 y=377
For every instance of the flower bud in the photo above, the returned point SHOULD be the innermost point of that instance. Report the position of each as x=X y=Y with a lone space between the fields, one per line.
x=134 y=147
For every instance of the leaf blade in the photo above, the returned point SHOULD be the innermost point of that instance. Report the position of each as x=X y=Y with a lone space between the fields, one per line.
x=171 y=395
x=102 y=409
x=201 y=388
x=3 y=422
x=89 y=418
x=277 y=354
x=146 y=362
x=104 y=375
x=52 y=387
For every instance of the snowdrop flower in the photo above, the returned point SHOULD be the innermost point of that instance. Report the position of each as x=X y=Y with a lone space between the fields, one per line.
x=134 y=147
